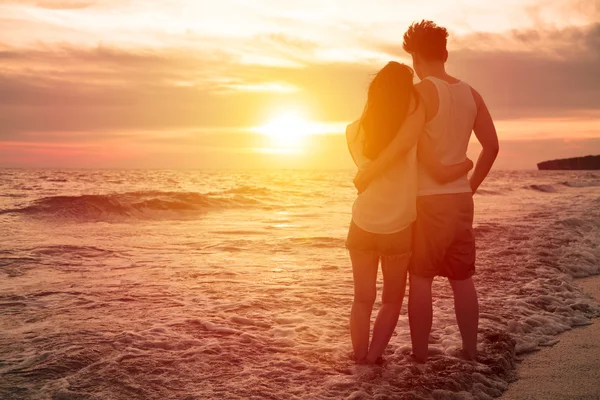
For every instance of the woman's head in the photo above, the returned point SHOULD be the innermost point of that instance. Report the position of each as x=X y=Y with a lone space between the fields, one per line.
x=388 y=103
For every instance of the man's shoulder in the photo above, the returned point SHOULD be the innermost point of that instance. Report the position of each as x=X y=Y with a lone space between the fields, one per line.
x=476 y=94
x=426 y=86
x=428 y=92
x=476 y=97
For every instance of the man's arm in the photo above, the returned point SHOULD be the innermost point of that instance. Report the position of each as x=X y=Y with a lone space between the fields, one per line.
x=437 y=170
x=404 y=140
x=486 y=134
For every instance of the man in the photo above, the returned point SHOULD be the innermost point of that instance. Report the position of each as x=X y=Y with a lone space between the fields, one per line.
x=443 y=243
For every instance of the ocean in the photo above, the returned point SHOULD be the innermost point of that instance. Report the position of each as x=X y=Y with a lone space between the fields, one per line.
x=189 y=285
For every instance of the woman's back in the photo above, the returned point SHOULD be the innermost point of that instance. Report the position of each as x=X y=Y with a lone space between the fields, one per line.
x=388 y=205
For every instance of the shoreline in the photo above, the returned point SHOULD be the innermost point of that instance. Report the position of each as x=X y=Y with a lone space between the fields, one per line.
x=568 y=370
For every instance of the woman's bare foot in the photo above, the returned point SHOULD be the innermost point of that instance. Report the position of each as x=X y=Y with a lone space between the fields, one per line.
x=378 y=360
x=366 y=361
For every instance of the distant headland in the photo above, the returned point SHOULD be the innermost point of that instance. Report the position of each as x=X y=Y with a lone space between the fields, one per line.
x=577 y=163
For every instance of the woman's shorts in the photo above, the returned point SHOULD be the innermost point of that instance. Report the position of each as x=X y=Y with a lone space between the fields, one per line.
x=393 y=244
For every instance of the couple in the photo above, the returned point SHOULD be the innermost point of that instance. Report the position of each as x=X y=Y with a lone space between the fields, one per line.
x=414 y=210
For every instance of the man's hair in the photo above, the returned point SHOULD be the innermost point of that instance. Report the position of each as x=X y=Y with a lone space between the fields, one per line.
x=428 y=40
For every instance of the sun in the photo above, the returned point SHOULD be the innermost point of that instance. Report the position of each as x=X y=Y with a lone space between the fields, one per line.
x=288 y=131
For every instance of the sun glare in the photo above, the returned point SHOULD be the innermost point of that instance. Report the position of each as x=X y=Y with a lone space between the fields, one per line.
x=288 y=131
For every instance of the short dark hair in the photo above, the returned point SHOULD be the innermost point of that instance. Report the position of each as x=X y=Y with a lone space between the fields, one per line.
x=428 y=40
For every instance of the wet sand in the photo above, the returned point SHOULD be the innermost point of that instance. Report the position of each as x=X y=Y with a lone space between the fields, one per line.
x=568 y=370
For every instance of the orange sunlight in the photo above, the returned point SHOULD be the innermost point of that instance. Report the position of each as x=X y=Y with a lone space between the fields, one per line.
x=289 y=132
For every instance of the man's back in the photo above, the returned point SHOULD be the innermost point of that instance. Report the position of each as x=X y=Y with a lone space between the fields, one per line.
x=452 y=113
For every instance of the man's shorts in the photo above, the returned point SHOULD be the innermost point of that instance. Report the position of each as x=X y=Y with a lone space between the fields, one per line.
x=443 y=239
x=393 y=244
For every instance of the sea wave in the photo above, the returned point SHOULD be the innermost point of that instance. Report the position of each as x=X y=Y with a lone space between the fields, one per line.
x=132 y=204
x=489 y=192
x=248 y=191
x=582 y=184
x=319 y=241
x=57 y=180
x=553 y=188
x=257 y=301
x=543 y=188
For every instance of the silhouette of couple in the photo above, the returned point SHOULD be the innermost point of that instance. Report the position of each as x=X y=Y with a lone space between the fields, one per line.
x=414 y=210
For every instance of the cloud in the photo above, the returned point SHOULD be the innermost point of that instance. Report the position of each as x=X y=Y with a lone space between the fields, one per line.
x=197 y=66
x=52 y=4
x=529 y=72
x=540 y=81
x=65 y=87
x=64 y=5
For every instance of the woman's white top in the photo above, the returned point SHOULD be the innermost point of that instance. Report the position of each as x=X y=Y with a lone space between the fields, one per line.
x=388 y=205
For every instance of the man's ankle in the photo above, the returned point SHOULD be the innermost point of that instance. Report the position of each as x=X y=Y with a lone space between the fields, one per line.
x=417 y=359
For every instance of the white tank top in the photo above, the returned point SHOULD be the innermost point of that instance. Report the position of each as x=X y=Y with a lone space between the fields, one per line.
x=450 y=132
x=388 y=205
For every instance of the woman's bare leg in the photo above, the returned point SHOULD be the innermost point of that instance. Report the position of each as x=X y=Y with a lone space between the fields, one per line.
x=364 y=269
x=394 y=285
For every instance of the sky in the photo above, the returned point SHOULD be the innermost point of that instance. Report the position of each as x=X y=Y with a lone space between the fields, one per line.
x=205 y=84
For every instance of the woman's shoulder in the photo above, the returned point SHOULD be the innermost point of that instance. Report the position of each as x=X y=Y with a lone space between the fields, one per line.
x=352 y=129
x=355 y=144
x=353 y=125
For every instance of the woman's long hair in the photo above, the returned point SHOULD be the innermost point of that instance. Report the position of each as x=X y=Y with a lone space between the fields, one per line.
x=388 y=104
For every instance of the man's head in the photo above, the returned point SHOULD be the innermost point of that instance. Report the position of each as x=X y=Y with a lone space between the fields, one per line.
x=426 y=42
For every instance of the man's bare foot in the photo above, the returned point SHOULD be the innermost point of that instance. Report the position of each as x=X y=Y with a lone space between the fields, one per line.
x=463 y=355
x=470 y=355
x=418 y=360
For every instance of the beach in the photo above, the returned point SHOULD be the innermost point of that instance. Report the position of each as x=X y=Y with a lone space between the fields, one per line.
x=160 y=284
x=568 y=370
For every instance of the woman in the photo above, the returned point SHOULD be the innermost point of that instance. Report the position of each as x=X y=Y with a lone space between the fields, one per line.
x=382 y=215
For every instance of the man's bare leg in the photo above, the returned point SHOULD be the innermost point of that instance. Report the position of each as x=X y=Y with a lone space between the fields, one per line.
x=420 y=315
x=364 y=269
x=466 y=308
x=394 y=286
